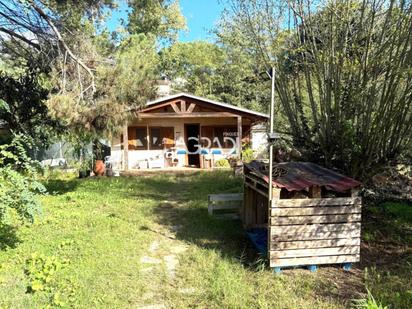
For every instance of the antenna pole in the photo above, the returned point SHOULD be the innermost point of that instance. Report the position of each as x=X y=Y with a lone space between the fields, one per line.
x=272 y=120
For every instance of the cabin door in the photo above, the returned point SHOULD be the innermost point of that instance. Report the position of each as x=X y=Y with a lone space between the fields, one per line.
x=192 y=143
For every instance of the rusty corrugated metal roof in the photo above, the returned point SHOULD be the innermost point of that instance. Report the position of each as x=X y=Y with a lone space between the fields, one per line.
x=296 y=176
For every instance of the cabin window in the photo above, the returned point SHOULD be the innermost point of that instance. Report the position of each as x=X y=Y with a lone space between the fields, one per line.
x=137 y=138
x=161 y=137
x=155 y=138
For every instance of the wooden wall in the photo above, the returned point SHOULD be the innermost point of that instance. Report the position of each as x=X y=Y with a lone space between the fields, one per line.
x=304 y=231
x=314 y=231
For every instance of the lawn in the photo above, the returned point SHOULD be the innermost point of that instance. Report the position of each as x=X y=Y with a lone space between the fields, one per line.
x=147 y=241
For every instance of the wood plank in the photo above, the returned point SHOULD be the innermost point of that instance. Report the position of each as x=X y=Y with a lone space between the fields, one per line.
x=316 y=236
x=323 y=243
x=265 y=194
x=275 y=194
x=261 y=209
x=315 y=228
x=315 y=219
x=157 y=106
x=175 y=108
x=186 y=115
x=310 y=211
x=314 y=202
x=225 y=206
x=337 y=259
x=183 y=106
x=226 y=197
x=315 y=252
x=252 y=179
x=191 y=107
x=231 y=216
x=250 y=218
x=315 y=192
x=354 y=192
x=125 y=148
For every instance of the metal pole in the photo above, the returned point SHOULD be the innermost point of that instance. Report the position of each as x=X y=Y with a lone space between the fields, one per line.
x=272 y=119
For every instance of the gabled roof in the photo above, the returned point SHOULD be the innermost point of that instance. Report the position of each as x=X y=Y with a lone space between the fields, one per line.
x=213 y=102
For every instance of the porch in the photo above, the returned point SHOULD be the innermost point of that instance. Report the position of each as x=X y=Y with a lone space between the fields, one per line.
x=183 y=131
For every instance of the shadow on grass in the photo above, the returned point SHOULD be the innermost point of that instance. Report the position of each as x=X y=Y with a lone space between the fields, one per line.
x=193 y=225
x=8 y=237
x=182 y=208
x=58 y=186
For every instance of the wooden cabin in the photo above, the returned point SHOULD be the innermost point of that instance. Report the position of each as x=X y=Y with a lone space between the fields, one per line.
x=314 y=217
x=184 y=130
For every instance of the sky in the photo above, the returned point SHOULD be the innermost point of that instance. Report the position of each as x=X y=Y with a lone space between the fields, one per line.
x=201 y=16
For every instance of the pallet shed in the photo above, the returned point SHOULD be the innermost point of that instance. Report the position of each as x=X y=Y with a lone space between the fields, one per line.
x=314 y=217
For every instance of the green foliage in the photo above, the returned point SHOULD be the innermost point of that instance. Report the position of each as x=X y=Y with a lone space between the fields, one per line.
x=43 y=273
x=23 y=106
x=162 y=19
x=194 y=64
x=123 y=83
x=113 y=230
x=247 y=154
x=222 y=163
x=220 y=71
x=392 y=288
x=41 y=270
x=390 y=281
x=368 y=303
x=130 y=81
x=342 y=71
x=19 y=188
x=401 y=212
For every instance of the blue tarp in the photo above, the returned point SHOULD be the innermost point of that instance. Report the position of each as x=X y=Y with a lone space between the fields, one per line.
x=259 y=239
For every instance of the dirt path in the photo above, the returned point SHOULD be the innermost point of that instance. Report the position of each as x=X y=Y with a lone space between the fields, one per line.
x=162 y=256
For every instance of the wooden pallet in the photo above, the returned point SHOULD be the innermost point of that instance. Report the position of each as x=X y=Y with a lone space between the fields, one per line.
x=305 y=229
x=315 y=231
x=225 y=206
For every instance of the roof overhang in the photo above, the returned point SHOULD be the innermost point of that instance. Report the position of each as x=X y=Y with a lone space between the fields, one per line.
x=229 y=109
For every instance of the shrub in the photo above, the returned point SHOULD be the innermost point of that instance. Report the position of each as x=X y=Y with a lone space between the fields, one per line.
x=368 y=303
x=248 y=155
x=18 y=182
x=222 y=163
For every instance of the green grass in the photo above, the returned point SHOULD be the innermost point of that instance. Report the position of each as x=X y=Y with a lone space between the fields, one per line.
x=387 y=234
x=137 y=241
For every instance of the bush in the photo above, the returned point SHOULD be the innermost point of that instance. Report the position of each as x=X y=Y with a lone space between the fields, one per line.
x=368 y=303
x=222 y=163
x=248 y=155
x=18 y=182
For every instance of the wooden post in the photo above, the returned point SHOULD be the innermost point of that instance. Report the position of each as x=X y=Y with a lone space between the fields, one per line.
x=275 y=195
x=147 y=137
x=125 y=148
x=239 y=136
x=315 y=192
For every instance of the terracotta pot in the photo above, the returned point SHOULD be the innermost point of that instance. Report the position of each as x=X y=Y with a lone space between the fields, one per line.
x=99 y=168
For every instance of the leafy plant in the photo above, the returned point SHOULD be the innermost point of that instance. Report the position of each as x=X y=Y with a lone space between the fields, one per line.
x=222 y=163
x=369 y=303
x=41 y=271
x=18 y=182
x=248 y=155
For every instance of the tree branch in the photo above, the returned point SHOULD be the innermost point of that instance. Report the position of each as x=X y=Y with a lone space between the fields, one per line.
x=63 y=43
x=20 y=37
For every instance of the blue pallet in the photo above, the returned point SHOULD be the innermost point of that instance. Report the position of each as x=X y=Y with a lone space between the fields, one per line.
x=312 y=268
